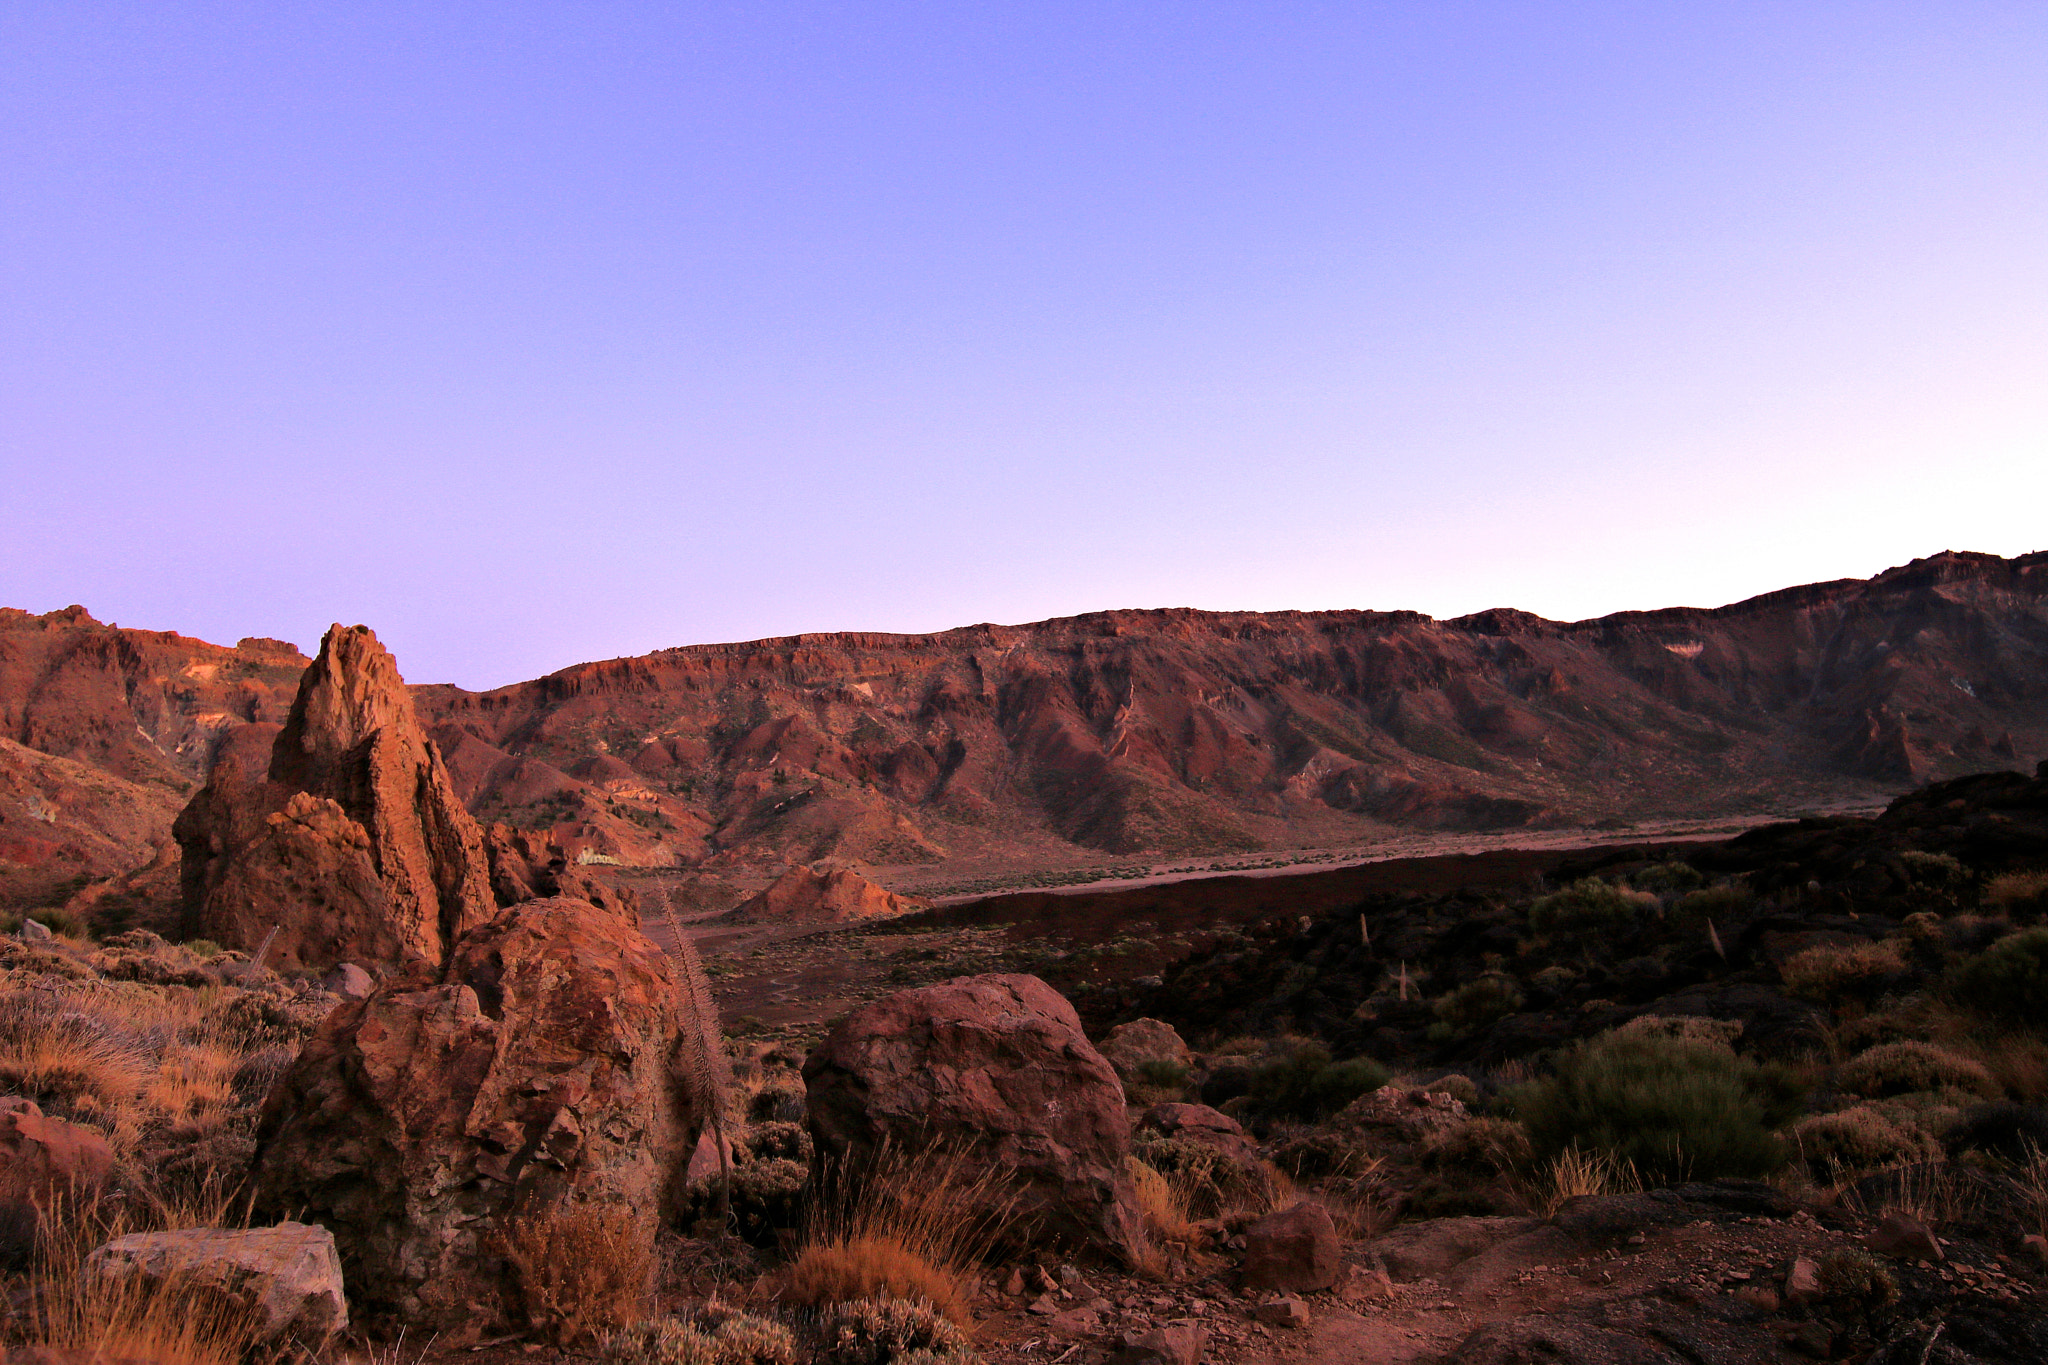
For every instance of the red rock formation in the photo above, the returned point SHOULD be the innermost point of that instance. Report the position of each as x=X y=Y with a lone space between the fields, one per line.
x=825 y=892
x=552 y=1063
x=1162 y=731
x=353 y=846
x=997 y=1069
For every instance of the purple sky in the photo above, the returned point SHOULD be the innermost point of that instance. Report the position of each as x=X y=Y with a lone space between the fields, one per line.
x=534 y=333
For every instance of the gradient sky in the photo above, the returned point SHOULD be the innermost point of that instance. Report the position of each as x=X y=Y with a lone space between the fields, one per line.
x=535 y=333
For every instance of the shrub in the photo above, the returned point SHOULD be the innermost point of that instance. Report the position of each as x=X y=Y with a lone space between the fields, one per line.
x=1483 y=1144
x=788 y=1141
x=579 y=1272
x=1575 y=1172
x=1854 y=1141
x=1684 y=1028
x=1856 y=1279
x=1667 y=879
x=1911 y=1068
x=1713 y=904
x=1206 y=1182
x=1589 y=904
x=2022 y=895
x=1831 y=972
x=2002 y=1129
x=716 y=1337
x=1671 y=1109
x=1161 y=1073
x=882 y=1331
x=1458 y=1087
x=1166 y=1215
x=1934 y=878
x=1477 y=1003
x=1304 y=1083
x=2007 y=981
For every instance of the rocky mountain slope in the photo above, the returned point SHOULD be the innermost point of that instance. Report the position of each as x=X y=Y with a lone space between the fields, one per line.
x=1150 y=731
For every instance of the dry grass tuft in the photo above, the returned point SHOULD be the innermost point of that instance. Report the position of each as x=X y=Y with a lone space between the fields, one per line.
x=1576 y=1171
x=908 y=1226
x=580 y=1272
x=1834 y=973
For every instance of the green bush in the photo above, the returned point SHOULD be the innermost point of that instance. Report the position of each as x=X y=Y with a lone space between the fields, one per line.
x=2007 y=981
x=1935 y=879
x=1588 y=904
x=1713 y=904
x=1478 y=1002
x=1161 y=1073
x=1667 y=879
x=1305 y=1083
x=1673 y=1108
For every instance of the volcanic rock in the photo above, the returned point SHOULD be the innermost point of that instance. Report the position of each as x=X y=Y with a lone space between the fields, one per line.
x=558 y=1060
x=1295 y=1249
x=44 y=1159
x=827 y=891
x=997 y=1068
x=1129 y=1046
x=353 y=846
x=285 y=1280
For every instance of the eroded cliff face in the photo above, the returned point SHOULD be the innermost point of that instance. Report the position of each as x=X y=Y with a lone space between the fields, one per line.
x=351 y=845
x=1129 y=731
x=1182 y=730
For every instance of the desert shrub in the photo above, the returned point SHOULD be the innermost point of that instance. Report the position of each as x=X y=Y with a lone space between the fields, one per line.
x=1304 y=1083
x=579 y=1272
x=1684 y=1028
x=1934 y=879
x=1910 y=1068
x=1854 y=1141
x=1204 y=1180
x=1713 y=904
x=1161 y=1073
x=1672 y=1109
x=789 y=1141
x=1477 y=1003
x=1831 y=972
x=1576 y=1172
x=779 y=1098
x=1855 y=1279
x=888 y=1332
x=1589 y=904
x=2021 y=895
x=763 y=1196
x=2002 y=1129
x=1482 y=1144
x=715 y=1337
x=2007 y=981
x=1667 y=879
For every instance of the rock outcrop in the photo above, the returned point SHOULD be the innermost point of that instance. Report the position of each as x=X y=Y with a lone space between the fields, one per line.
x=995 y=1068
x=557 y=1061
x=285 y=1281
x=42 y=1160
x=827 y=892
x=352 y=845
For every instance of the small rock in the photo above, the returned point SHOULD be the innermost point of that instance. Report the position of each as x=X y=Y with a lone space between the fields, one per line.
x=1295 y=1250
x=34 y=932
x=2038 y=1245
x=1802 y=1282
x=1075 y=1322
x=287 y=1277
x=1904 y=1239
x=1068 y=1277
x=1179 y=1342
x=349 y=982
x=1284 y=1311
x=1014 y=1285
x=1044 y=1306
x=1758 y=1297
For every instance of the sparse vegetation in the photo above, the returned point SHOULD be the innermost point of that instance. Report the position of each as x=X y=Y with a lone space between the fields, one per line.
x=1672 y=1109
x=1589 y=905
x=1831 y=973
x=1911 y=1067
x=580 y=1272
x=2008 y=981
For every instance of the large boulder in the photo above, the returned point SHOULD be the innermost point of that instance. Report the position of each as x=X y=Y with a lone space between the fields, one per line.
x=559 y=1062
x=826 y=891
x=351 y=845
x=1130 y=1046
x=44 y=1160
x=995 y=1068
x=284 y=1280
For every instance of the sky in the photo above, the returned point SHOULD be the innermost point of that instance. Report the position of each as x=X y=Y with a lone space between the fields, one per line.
x=530 y=334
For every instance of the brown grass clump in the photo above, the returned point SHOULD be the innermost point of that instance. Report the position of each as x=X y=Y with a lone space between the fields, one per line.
x=580 y=1272
x=2020 y=894
x=1830 y=973
x=908 y=1227
x=1577 y=1171
x=1166 y=1217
